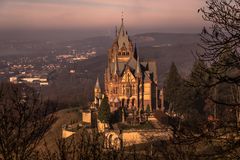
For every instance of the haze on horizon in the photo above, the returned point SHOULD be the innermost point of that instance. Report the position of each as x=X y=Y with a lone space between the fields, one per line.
x=99 y=17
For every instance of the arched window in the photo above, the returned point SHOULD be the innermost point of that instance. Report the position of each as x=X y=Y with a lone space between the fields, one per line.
x=123 y=101
x=133 y=102
x=110 y=141
x=128 y=90
x=128 y=101
x=133 y=89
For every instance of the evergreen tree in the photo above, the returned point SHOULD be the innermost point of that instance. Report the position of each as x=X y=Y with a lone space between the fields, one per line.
x=191 y=98
x=197 y=74
x=199 y=93
x=148 y=110
x=104 y=111
x=172 y=86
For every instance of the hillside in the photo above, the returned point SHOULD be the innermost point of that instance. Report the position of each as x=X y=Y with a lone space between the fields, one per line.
x=77 y=89
x=66 y=116
x=164 y=48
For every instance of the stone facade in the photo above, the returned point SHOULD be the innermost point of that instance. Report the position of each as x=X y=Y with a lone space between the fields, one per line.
x=117 y=140
x=87 y=117
x=130 y=82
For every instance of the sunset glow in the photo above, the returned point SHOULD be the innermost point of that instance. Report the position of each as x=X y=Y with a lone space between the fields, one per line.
x=84 y=14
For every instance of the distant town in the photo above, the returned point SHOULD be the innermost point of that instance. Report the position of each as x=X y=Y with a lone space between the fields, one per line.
x=37 y=70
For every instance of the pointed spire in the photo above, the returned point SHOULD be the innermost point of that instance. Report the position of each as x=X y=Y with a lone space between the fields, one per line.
x=135 y=54
x=115 y=65
x=122 y=17
x=108 y=73
x=138 y=69
x=122 y=28
x=122 y=35
x=97 y=83
x=116 y=31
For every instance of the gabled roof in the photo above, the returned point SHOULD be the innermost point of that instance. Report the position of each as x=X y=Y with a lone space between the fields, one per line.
x=147 y=68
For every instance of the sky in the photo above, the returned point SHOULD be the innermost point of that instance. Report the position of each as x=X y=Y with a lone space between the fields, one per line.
x=102 y=15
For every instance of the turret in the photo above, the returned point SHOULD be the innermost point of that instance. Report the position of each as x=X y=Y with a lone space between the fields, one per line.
x=125 y=46
x=138 y=68
x=115 y=66
x=135 y=54
x=97 y=90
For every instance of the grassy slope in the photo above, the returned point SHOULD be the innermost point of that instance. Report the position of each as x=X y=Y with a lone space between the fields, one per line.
x=65 y=116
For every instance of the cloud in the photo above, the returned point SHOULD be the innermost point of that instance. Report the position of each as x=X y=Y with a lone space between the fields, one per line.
x=98 y=13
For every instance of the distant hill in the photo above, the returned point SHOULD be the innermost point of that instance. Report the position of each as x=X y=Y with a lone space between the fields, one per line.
x=63 y=117
x=163 y=47
x=167 y=48
x=77 y=89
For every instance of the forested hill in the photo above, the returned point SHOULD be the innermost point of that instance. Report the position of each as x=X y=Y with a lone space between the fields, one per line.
x=165 y=48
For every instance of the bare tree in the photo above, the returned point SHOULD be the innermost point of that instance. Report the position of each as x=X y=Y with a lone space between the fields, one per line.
x=221 y=45
x=91 y=145
x=236 y=97
x=23 y=121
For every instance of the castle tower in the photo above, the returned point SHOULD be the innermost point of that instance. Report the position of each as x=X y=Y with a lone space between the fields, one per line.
x=131 y=81
x=162 y=99
x=97 y=92
x=122 y=47
x=139 y=84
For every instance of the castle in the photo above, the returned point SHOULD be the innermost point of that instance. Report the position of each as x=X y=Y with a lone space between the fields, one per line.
x=131 y=88
x=128 y=82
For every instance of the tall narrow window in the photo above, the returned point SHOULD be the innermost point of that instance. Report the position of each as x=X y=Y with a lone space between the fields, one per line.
x=133 y=89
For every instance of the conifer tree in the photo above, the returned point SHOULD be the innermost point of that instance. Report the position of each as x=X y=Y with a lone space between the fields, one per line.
x=199 y=93
x=172 y=86
x=148 y=111
x=104 y=111
x=190 y=98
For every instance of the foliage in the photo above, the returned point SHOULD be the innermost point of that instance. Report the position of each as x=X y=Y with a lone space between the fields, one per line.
x=214 y=74
x=220 y=44
x=104 y=111
x=172 y=85
x=148 y=109
x=94 y=146
x=23 y=121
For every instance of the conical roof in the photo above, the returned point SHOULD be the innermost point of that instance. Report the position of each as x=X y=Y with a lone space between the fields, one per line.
x=135 y=54
x=123 y=39
x=97 y=83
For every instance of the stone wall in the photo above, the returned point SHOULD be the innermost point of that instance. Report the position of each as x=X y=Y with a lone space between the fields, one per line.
x=66 y=133
x=143 y=136
x=133 y=137
x=86 y=117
